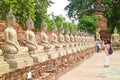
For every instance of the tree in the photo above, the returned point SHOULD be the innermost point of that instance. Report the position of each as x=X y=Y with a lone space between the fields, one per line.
x=112 y=14
x=58 y=21
x=77 y=8
x=37 y=9
x=88 y=23
x=41 y=11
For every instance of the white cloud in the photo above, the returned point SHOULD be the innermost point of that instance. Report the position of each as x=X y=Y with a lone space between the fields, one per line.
x=58 y=8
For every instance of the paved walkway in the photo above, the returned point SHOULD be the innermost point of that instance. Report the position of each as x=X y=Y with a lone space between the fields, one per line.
x=92 y=69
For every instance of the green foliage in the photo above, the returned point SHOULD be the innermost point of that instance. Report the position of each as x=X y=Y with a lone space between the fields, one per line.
x=41 y=11
x=58 y=21
x=88 y=23
x=113 y=15
x=76 y=8
x=37 y=9
x=21 y=10
x=106 y=0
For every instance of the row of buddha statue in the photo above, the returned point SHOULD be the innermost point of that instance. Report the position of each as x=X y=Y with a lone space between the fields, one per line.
x=18 y=56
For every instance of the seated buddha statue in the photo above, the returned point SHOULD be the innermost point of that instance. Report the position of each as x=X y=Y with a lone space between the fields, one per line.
x=44 y=38
x=67 y=37
x=11 y=45
x=30 y=41
x=71 y=36
x=115 y=36
x=54 y=39
x=61 y=37
x=76 y=37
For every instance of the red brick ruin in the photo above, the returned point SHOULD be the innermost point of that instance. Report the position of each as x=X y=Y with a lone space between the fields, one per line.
x=102 y=21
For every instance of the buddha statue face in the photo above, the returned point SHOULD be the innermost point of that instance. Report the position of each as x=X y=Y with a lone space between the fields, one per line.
x=115 y=30
x=54 y=28
x=98 y=30
x=67 y=31
x=44 y=26
x=72 y=32
x=61 y=30
x=30 y=23
x=11 y=18
x=75 y=32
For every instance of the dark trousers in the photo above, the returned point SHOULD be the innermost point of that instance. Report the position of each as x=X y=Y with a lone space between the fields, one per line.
x=98 y=49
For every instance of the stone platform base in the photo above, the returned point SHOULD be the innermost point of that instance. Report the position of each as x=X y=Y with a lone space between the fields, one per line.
x=116 y=46
x=39 y=58
x=18 y=60
x=52 y=53
x=4 y=67
x=50 y=69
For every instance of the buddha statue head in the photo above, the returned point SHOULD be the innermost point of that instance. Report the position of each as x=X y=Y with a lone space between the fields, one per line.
x=10 y=18
x=30 y=23
x=98 y=30
x=61 y=29
x=67 y=31
x=54 y=28
x=115 y=30
x=44 y=26
x=72 y=32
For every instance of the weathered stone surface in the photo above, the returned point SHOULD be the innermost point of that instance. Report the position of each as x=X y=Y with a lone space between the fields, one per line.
x=50 y=69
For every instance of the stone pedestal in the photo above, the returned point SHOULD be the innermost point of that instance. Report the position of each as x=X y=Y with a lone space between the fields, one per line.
x=68 y=49
x=74 y=49
x=115 y=45
x=39 y=56
x=4 y=67
x=18 y=60
x=61 y=51
x=52 y=53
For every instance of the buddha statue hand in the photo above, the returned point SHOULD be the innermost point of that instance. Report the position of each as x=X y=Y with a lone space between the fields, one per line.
x=0 y=52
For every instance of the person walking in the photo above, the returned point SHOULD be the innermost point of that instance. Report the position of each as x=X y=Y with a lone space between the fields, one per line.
x=106 y=46
x=98 y=45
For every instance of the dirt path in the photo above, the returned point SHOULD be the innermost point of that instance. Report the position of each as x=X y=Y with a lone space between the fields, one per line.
x=92 y=69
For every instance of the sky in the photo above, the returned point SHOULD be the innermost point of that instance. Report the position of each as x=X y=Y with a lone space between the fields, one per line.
x=58 y=8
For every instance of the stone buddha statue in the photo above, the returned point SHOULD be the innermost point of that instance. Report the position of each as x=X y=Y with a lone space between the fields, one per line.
x=98 y=34
x=115 y=36
x=67 y=37
x=36 y=51
x=44 y=37
x=71 y=36
x=68 y=42
x=30 y=41
x=76 y=36
x=11 y=45
x=61 y=37
x=54 y=39
x=72 y=39
x=15 y=55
